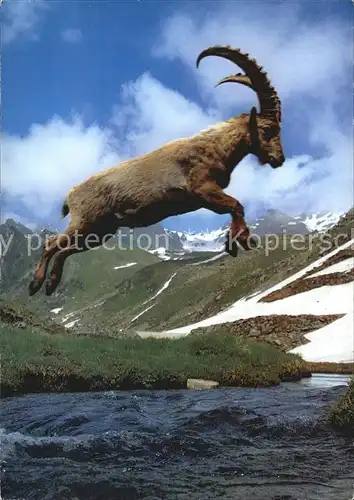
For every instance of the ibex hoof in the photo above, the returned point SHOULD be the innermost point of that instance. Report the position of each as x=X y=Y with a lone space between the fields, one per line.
x=34 y=286
x=231 y=248
x=248 y=243
x=50 y=287
x=245 y=241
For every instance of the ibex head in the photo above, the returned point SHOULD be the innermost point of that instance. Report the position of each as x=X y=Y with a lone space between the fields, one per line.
x=264 y=128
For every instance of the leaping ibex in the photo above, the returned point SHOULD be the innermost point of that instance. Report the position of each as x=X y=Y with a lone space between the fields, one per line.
x=182 y=176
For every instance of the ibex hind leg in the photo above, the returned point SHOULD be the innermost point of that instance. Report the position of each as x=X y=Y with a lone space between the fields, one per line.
x=87 y=235
x=60 y=258
x=51 y=247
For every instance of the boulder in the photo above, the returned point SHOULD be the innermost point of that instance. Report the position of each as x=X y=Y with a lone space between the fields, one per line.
x=199 y=384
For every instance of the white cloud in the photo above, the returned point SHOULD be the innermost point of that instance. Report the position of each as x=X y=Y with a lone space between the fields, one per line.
x=60 y=154
x=323 y=184
x=309 y=66
x=40 y=168
x=301 y=58
x=151 y=114
x=71 y=35
x=21 y=19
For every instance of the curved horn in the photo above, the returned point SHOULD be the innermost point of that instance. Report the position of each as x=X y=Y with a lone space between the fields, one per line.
x=267 y=95
x=237 y=78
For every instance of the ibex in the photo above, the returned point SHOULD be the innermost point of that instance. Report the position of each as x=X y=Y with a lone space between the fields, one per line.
x=179 y=177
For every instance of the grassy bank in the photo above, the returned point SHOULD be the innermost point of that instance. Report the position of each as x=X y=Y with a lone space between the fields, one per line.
x=338 y=368
x=341 y=415
x=39 y=362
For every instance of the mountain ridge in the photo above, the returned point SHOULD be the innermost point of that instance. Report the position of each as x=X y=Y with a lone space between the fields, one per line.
x=271 y=222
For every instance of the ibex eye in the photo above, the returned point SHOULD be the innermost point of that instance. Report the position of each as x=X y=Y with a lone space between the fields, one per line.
x=269 y=133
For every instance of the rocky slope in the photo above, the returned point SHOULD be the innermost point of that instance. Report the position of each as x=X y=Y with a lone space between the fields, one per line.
x=319 y=294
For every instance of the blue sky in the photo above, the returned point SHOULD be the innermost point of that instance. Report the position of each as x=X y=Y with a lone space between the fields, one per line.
x=88 y=84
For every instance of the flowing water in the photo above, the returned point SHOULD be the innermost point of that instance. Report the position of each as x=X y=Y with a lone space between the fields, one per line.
x=244 y=444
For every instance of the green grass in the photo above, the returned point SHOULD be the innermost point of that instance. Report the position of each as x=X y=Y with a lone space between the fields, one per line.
x=338 y=368
x=40 y=362
x=341 y=415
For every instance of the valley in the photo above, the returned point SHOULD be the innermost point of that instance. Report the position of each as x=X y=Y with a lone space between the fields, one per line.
x=127 y=290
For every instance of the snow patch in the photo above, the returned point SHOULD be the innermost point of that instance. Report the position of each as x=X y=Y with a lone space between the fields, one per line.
x=56 y=310
x=71 y=323
x=307 y=269
x=333 y=342
x=334 y=299
x=340 y=267
x=166 y=285
x=99 y=303
x=130 y=264
x=143 y=312
x=216 y=257
x=161 y=253
x=68 y=316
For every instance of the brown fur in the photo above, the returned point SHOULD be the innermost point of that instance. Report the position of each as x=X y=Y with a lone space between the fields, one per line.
x=180 y=177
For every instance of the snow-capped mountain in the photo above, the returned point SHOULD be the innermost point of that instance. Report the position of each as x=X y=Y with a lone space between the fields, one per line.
x=14 y=226
x=272 y=222
x=321 y=222
x=209 y=241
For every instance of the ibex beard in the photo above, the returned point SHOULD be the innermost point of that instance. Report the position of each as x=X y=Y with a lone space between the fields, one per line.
x=180 y=177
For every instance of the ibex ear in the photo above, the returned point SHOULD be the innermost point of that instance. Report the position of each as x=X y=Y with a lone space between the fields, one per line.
x=253 y=127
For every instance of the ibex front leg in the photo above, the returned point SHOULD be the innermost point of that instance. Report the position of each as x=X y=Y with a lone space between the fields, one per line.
x=213 y=198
